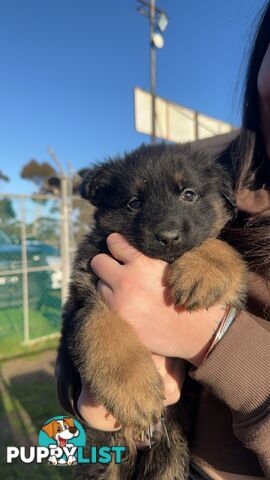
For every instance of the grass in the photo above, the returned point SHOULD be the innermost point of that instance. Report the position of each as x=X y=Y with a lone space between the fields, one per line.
x=36 y=472
x=27 y=399
x=43 y=320
x=27 y=392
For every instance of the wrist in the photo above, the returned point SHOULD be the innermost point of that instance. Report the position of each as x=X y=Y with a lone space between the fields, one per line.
x=228 y=318
x=201 y=327
x=198 y=358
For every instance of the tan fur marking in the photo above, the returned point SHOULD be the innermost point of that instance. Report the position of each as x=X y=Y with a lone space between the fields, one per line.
x=119 y=369
x=211 y=273
x=222 y=217
x=179 y=176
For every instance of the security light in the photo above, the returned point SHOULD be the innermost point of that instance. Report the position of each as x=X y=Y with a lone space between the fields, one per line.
x=162 y=22
x=158 y=40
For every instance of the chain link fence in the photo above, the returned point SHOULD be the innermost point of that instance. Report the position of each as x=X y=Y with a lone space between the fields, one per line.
x=38 y=235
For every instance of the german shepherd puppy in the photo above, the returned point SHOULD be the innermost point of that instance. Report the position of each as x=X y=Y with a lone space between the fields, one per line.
x=171 y=204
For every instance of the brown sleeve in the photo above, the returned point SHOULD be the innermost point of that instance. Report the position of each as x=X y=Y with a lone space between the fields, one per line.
x=238 y=372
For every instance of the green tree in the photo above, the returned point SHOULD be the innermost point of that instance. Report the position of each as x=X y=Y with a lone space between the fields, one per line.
x=7 y=211
x=3 y=176
x=37 y=172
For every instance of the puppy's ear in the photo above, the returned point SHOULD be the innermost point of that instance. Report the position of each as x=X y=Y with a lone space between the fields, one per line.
x=227 y=193
x=222 y=179
x=93 y=183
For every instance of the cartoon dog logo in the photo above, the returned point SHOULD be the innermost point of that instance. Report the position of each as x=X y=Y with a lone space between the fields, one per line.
x=62 y=431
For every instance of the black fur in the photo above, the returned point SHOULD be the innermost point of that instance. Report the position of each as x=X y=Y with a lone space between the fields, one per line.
x=148 y=174
x=149 y=178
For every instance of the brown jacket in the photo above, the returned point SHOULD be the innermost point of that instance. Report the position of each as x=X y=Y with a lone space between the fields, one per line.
x=234 y=414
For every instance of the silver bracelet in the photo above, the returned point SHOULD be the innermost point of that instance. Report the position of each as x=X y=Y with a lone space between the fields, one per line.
x=226 y=322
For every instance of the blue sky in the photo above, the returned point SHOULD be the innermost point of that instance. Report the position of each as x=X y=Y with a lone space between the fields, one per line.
x=68 y=69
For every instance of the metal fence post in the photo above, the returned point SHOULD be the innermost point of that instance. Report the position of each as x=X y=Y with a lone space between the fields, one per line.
x=65 y=254
x=65 y=236
x=70 y=196
x=25 y=275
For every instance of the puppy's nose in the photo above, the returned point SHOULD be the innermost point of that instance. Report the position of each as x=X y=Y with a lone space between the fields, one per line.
x=168 y=238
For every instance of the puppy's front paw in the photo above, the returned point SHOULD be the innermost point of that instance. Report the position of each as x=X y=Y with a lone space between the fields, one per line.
x=211 y=273
x=192 y=288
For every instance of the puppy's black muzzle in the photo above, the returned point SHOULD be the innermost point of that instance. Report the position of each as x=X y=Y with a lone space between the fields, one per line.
x=168 y=238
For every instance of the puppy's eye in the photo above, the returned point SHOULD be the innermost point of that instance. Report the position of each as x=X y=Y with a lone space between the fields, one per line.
x=134 y=204
x=189 y=195
x=59 y=429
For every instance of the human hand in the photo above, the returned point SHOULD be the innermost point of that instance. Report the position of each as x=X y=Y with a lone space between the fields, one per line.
x=171 y=370
x=136 y=290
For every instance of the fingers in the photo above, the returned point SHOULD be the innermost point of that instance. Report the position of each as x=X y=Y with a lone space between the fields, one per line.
x=106 y=268
x=176 y=369
x=106 y=293
x=121 y=249
x=95 y=415
x=172 y=372
x=160 y=364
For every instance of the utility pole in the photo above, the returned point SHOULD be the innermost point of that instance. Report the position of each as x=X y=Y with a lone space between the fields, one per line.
x=158 y=21
x=153 y=70
x=65 y=249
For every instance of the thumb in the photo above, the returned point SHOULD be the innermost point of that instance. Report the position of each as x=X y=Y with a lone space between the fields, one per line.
x=121 y=249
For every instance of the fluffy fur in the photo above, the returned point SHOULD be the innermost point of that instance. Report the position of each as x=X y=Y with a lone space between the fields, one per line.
x=172 y=204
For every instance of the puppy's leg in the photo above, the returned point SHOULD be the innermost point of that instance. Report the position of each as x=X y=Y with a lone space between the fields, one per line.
x=117 y=368
x=111 y=471
x=211 y=273
x=165 y=462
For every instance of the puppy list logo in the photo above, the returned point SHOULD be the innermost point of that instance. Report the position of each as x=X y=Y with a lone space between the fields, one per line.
x=62 y=441
x=62 y=436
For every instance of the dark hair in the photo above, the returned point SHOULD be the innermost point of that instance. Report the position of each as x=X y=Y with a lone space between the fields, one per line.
x=247 y=151
x=250 y=118
x=247 y=154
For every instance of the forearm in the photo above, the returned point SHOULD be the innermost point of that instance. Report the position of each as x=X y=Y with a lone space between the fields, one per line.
x=238 y=373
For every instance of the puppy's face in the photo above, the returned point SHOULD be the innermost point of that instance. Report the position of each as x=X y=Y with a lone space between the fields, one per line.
x=165 y=199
